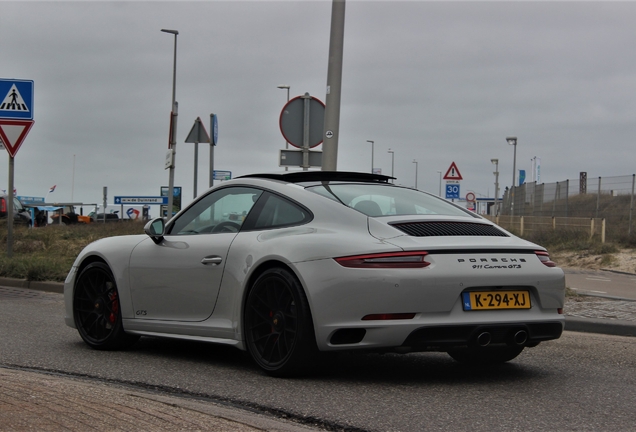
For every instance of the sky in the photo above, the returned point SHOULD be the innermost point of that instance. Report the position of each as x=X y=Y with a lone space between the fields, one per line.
x=435 y=82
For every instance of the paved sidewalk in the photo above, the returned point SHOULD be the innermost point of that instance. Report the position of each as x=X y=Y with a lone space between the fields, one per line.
x=31 y=401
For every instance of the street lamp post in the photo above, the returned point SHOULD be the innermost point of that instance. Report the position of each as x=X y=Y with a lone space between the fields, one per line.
x=496 y=173
x=439 y=194
x=372 y=142
x=392 y=164
x=513 y=142
x=285 y=87
x=173 y=125
x=415 y=162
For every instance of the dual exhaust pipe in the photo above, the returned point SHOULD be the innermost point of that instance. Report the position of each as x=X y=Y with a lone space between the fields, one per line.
x=519 y=338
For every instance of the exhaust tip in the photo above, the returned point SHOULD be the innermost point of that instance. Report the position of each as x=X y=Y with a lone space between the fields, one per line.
x=520 y=338
x=484 y=339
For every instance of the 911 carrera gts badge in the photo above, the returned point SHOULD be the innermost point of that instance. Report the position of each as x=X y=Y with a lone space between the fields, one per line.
x=495 y=260
x=494 y=263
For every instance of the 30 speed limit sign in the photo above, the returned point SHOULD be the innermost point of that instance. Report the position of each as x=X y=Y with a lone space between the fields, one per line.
x=452 y=190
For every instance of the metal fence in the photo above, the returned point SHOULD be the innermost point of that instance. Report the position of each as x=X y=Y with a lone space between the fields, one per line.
x=609 y=198
x=523 y=225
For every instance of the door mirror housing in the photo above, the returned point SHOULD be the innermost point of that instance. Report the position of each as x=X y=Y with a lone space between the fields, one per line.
x=155 y=229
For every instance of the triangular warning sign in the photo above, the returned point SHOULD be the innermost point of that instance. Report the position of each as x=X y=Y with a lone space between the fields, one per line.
x=13 y=101
x=198 y=134
x=13 y=132
x=453 y=173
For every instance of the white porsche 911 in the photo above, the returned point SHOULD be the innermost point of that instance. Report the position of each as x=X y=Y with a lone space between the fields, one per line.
x=288 y=265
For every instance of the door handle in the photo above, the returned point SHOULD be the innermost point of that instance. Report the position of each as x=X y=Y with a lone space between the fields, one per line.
x=212 y=260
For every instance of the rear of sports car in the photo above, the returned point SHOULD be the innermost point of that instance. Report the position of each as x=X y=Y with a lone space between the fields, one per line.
x=440 y=282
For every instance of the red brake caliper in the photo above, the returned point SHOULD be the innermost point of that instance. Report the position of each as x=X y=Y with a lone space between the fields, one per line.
x=115 y=307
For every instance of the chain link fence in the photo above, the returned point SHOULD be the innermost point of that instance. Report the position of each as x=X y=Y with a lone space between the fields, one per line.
x=608 y=198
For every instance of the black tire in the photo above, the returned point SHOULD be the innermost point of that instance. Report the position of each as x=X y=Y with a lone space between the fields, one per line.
x=483 y=356
x=97 y=311
x=279 y=330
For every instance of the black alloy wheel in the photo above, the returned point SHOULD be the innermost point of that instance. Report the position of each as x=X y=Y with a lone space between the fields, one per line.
x=278 y=326
x=97 y=311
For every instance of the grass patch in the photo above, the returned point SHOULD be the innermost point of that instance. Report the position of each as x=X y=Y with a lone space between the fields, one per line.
x=47 y=254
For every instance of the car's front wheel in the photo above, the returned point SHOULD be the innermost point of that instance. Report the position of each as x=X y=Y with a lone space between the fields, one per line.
x=97 y=311
x=278 y=326
x=485 y=355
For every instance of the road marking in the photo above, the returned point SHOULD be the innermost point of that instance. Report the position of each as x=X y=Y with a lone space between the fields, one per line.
x=598 y=279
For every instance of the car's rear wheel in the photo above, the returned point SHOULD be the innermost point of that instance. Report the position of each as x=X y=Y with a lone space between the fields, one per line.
x=485 y=355
x=97 y=310
x=278 y=326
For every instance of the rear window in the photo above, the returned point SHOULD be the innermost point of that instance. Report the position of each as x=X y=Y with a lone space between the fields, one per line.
x=387 y=200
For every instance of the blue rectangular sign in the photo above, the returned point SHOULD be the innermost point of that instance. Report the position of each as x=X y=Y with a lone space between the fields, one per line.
x=141 y=200
x=16 y=99
x=452 y=190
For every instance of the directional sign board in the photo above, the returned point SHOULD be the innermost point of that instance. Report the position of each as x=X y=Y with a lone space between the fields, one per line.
x=452 y=190
x=16 y=99
x=222 y=175
x=141 y=200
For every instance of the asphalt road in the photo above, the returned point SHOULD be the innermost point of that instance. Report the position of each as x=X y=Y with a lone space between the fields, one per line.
x=579 y=382
x=602 y=283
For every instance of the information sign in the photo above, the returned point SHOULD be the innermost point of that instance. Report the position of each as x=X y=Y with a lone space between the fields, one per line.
x=141 y=200
x=452 y=190
x=16 y=99
x=222 y=175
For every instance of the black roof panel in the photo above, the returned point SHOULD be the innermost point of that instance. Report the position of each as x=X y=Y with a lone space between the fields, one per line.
x=313 y=176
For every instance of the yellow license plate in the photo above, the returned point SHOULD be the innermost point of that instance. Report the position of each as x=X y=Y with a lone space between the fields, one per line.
x=487 y=300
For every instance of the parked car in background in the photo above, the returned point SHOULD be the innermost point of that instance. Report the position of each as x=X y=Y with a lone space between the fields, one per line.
x=21 y=215
x=99 y=217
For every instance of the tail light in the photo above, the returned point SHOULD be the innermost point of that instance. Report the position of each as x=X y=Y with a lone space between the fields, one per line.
x=544 y=257
x=3 y=205
x=385 y=260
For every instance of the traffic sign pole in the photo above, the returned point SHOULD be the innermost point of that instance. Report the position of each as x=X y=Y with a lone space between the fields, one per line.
x=10 y=210
x=16 y=111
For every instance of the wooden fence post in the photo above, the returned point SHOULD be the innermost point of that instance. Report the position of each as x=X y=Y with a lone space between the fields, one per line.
x=603 y=230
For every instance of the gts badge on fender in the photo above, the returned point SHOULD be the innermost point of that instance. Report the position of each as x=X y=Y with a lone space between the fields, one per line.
x=141 y=313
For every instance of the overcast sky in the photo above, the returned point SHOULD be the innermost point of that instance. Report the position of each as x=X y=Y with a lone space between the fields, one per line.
x=436 y=82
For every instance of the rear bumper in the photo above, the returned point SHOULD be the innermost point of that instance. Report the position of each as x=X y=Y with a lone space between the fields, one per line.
x=519 y=334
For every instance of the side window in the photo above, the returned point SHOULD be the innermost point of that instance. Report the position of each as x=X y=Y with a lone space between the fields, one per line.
x=221 y=211
x=278 y=212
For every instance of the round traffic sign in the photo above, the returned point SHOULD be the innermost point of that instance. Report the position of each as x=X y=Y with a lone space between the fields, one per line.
x=292 y=120
x=470 y=196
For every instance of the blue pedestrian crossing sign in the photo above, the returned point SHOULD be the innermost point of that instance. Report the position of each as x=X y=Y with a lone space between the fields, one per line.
x=16 y=99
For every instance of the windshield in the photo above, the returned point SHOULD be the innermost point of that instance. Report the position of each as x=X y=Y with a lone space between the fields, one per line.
x=388 y=200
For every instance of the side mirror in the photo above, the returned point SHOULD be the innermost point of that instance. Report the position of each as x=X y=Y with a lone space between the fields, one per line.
x=155 y=229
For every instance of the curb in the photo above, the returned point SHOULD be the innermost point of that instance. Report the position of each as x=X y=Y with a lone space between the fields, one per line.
x=618 y=271
x=55 y=287
x=592 y=325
